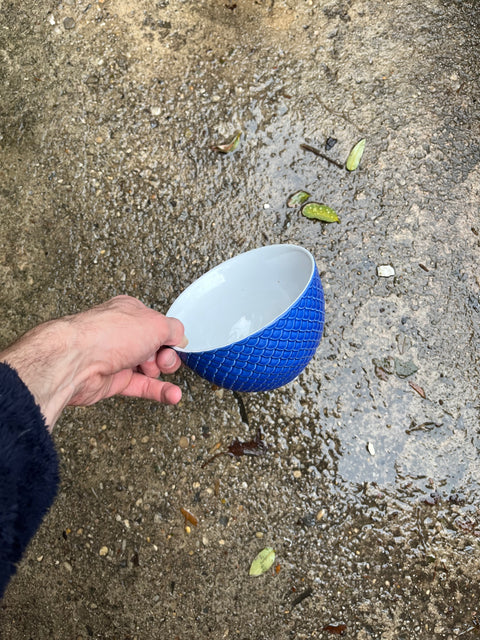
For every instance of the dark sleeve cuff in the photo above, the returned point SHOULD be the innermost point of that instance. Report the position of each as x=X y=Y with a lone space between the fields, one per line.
x=29 y=474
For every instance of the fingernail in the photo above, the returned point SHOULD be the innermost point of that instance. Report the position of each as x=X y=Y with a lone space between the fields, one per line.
x=183 y=343
x=171 y=359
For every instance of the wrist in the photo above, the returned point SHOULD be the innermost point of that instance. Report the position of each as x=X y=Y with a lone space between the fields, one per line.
x=44 y=360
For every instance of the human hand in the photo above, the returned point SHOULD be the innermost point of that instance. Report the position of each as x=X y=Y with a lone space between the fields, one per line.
x=114 y=348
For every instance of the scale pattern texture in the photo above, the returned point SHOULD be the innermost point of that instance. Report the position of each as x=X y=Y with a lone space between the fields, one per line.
x=274 y=355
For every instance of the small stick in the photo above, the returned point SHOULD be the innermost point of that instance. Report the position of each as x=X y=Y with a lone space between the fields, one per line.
x=317 y=152
x=300 y=598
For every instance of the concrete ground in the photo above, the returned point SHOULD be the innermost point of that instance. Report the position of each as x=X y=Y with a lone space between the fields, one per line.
x=369 y=492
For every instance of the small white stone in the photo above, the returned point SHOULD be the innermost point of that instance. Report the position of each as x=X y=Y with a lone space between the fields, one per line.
x=155 y=111
x=103 y=551
x=51 y=19
x=370 y=448
x=385 y=271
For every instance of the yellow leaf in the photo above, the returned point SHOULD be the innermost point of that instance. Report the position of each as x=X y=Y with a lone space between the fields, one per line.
x=262 y=562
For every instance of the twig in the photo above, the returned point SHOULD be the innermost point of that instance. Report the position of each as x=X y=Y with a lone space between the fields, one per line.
x=317 y=152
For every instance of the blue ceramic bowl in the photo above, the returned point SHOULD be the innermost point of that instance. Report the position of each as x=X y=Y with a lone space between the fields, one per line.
x=255 y=321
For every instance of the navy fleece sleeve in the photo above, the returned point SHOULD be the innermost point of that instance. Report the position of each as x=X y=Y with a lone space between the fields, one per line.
x=28 y=470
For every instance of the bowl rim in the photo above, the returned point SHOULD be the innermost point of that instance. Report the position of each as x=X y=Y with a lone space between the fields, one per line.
x=237 y=257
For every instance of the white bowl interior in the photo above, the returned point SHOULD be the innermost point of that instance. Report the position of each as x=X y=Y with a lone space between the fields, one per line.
x=242 y=295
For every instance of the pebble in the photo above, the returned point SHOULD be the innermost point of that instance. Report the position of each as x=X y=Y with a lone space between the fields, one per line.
x=184 y=442
x=259 y=534
x=103 y=551
x=69 y=23
x=155 y=111
x=370 y=448
x=385 y=271
x=404 y=369
x=297 y=473
x=68 y=567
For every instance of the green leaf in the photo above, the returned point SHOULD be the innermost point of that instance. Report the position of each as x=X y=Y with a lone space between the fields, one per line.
x=355 y=155
x=297 y=198
x=262 y=562
x=317 y=211
x=231 y=145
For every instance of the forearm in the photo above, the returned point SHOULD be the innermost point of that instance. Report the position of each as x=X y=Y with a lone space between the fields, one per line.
x=44 y=360
x=28 y=470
